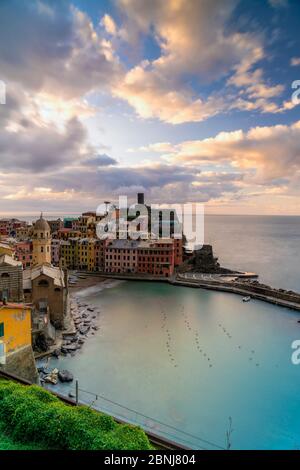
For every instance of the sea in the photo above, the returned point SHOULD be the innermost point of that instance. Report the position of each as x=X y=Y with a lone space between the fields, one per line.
x=201 y=367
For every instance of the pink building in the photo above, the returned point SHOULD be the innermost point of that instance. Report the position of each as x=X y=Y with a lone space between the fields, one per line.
x=154 y=257
x=23 y=253
x=121 y=256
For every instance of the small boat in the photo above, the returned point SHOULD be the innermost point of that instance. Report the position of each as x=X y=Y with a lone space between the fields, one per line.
x=246 y=299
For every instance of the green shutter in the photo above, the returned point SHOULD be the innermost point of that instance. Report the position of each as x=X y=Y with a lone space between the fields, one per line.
x=1 y=330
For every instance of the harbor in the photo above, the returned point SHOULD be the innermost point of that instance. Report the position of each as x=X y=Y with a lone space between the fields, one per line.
x=243 y=287
x=243 y=284
x=230 y=353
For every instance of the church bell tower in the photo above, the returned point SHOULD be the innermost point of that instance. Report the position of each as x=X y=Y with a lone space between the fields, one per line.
x=41 y=242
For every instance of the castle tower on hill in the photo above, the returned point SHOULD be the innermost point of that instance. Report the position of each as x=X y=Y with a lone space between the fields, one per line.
x=41 y=242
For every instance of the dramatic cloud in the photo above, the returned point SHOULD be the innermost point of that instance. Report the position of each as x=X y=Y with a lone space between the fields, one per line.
x=151 y=96
x=56 y=52
x=195 y=42
x=86 y=188
x=109 y=24
x=34 y=149
x=71 y=77
x=100 y=160
x=53 y=47
x=50 y=57
x=267 y=155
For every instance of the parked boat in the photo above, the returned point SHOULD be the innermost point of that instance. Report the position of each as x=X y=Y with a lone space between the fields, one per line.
x=246 y=299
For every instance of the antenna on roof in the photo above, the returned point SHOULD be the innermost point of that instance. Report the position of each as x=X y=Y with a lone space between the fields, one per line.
x=106 y=206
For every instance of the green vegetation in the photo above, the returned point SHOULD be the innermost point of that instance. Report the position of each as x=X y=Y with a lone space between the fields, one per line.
x=33 y=415
x=8 y=443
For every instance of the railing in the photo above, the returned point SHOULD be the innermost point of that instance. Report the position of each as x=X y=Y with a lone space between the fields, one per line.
x=131 y=416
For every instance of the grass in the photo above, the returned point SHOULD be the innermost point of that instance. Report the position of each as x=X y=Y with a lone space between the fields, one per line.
x=8 y=443
x=33 y=418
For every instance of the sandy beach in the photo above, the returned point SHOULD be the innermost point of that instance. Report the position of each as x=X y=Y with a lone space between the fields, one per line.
x=83 y=282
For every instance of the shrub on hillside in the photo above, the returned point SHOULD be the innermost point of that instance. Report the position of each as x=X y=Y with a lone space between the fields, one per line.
x=33 y=414
x=126 y=437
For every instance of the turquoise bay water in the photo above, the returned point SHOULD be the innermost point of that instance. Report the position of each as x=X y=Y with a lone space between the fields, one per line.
x=128 y=360
x=248 y=345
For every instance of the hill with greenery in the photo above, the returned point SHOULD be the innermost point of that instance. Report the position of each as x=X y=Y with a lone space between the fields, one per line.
x=31 y=417
x=8 y=443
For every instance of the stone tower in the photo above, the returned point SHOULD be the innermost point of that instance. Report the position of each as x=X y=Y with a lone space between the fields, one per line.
x=41 y=242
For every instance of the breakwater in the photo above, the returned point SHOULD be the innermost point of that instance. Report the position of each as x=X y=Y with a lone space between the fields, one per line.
x=255 y=290
x=236 y=285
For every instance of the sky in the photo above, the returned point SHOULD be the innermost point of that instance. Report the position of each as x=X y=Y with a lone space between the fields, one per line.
x=188 y=101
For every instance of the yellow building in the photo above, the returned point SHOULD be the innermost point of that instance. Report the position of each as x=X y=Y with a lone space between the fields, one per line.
x=86 y=254
x=69 y=253
x=41 y=243
x=91 y=255
x=6 y=249
x=77 y=253
x=16 y=354
x=15 y=327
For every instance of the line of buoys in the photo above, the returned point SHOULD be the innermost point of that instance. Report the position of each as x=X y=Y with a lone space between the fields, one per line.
x=168 y=341
x=204 y=354
x=252 y=352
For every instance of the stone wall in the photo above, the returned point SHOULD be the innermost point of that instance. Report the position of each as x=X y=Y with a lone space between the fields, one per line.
x=262 y=289
x=21 y=363
x=11 y=280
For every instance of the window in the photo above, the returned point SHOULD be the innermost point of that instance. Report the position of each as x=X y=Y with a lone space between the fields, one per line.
x=1 y=330
x=5 y=275
x=43 y=283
